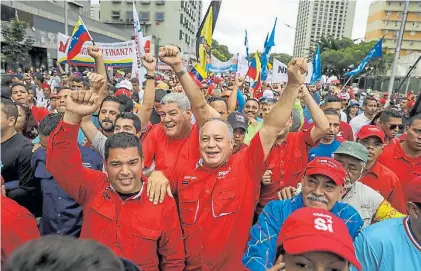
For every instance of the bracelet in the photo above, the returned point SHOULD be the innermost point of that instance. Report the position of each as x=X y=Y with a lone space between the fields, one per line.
x=150 y=77
x=180 y=73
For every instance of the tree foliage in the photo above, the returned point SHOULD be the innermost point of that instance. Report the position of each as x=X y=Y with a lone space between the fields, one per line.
x=16 y=44
x=220 y=51
x=284 y=58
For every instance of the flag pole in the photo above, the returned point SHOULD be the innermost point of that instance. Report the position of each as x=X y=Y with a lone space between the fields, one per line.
x=349 y=79
x=66 y=31
x=93 y=42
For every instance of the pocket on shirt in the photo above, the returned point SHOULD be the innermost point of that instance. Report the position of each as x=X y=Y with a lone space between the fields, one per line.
x=224 y=203
x=144 y=246
x=189 y=209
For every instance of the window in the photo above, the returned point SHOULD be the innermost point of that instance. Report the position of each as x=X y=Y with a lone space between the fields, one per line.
x=160 y=2
x=144 y=16
x=145 y=2
x=115 y=15
x=129 y=16
x=116 y=1
x=180 y=36
x=181 y=18
x=159 y=16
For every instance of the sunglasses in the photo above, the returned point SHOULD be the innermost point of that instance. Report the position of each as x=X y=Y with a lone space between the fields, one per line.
x=393 y=126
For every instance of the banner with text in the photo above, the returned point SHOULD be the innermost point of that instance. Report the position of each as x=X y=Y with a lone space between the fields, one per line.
x=280 y=72
x=117 y=54
x=218 y=66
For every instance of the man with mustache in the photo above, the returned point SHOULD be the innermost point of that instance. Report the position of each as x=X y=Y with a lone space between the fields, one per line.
x=377 y=176
x=323 y=182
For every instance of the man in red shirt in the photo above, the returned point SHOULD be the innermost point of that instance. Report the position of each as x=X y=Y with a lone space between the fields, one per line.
x=390 y=121
x=289 y=156
x=18 y=226
x=404 y=158
x=217 y=196
x=20 y=94
x=376 y=175
x=116 y=209
x=345 y=130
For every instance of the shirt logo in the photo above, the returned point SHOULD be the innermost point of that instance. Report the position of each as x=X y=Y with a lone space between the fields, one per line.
x=222 y=174
x=88 y=165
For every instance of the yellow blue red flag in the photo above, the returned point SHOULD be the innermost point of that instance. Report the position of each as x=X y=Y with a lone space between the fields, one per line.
x=80 y=34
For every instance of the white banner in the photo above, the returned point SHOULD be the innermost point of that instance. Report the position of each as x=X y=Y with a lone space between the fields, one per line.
x=218 y=66
x=280 y=72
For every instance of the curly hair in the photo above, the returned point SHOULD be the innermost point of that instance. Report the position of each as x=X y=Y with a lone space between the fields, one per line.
x=30 y=128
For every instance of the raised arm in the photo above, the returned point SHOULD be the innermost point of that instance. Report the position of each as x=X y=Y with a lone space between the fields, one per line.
x=64 y=160
x=144 y=114
x=281 y=112
x=96 y=54
x=232 y=100
x=321 y=124
x=171 y=56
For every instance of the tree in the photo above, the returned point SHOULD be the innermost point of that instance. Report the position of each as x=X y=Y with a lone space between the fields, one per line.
x=220 y=51
x=16 y=44
x=284 y=58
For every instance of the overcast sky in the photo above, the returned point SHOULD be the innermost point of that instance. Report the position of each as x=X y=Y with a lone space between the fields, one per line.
x=258 y=16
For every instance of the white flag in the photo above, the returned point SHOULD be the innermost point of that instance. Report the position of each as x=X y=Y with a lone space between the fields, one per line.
x=137 y=71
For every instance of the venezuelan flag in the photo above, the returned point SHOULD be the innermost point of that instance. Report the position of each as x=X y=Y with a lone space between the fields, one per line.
x=80 y=34
x=197 y=74
x=254 y=68
x=256 y=87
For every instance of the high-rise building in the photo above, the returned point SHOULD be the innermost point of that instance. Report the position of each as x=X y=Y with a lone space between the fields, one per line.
x=95 y=14
x=322 y=18
x=169 y=22
x=384 y=19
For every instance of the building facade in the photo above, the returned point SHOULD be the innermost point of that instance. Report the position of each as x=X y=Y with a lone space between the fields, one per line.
x=384 y=19
x=169 y=22
x=46 y=19
x=95 y=12
x=322 y=18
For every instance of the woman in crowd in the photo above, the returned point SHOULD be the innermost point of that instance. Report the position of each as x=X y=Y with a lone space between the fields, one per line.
x=26 y=124
x=352 y=110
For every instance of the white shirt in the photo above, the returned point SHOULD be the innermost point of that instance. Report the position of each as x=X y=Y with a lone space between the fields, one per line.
x=344 y=117
x=365 y=200
x=358 y=122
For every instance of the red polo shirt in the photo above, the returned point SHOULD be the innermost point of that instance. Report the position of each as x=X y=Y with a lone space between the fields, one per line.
x=345 y=131
x=216 y=208
x=136 y=229
x=288 y=162
x=386 y=182
x=404 y=166
x=18 y=226
x=165 y=152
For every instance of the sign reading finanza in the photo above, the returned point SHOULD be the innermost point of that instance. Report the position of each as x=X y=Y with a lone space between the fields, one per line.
x=117 y=54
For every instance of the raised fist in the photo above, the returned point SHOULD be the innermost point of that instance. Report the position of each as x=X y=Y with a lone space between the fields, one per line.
x=171 y=55
x=302 y=92
x=94 y=52
x=82 y=102
x=297 y=69
x=149 y=62
x=96 y=81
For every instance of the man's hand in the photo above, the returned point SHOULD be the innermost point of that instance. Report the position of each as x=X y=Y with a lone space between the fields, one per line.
x=287 y=193
x=96 y=81
x=149 y=62
x=94 y=52
x=238 y=81
x=157 y=186
x=279 y=265
x=171 y=55
x=302 y=92
x=267 y=177
x=82 y=103
x=35 y=147
x=297 y=69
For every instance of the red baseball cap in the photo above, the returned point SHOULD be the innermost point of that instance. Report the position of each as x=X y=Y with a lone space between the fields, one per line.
x=328 y=167
x=122 y=91
x=414 y=190
x=371 y=130
x=313 y=229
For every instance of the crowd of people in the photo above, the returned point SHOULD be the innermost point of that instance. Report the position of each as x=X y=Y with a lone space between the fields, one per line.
x=101 y=172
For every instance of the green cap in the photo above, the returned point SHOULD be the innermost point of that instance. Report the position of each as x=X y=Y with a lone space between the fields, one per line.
x=353 y=149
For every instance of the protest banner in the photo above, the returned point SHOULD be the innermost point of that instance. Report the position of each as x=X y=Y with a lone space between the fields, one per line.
x=280 y=72
x=118 y=54
x=218 y=66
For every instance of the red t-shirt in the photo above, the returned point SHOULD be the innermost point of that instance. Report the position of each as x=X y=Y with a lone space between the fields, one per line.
x=345 y=131
x=166 y=152
x=404 y=166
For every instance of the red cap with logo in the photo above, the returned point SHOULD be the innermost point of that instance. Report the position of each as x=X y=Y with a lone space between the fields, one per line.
x=313 y=229
x=122 y=91
x=414 y=190
x=328 y=167
x=371 y=130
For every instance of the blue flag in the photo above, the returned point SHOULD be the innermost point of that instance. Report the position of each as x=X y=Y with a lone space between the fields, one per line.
x=376 y=51
x=246 y=43
x=269 y=43
x=317 y=66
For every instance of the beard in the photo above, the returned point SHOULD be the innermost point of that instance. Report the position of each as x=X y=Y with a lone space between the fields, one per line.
x=107 y=128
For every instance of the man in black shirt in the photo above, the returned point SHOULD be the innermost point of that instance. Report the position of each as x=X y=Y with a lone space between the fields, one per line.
x=16 y=154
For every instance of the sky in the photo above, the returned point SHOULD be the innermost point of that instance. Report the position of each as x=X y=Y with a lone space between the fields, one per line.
x=258 y=16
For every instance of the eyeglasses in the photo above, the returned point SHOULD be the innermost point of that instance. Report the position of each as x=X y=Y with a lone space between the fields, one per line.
x=393 y=126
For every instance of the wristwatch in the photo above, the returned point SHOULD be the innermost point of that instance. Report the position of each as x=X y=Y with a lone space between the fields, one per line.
x=180 y=73
x=150 y=77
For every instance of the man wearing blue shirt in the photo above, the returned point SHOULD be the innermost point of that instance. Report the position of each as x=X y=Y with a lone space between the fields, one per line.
x=323 y=182
x=394 y=244
x=329 y=143
x=61 y=214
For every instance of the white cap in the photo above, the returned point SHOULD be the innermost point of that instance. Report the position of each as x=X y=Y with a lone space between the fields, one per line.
x=268 y=94
x=126 y=84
